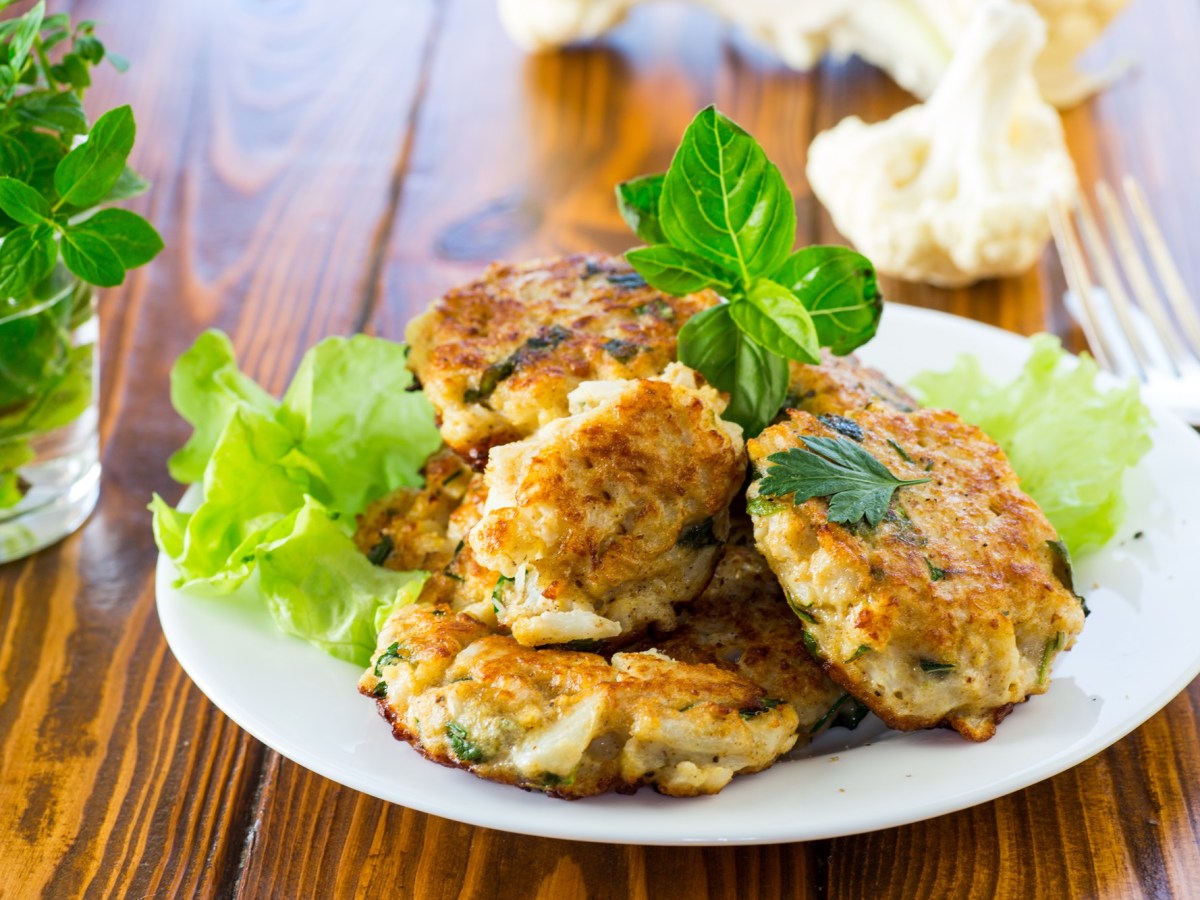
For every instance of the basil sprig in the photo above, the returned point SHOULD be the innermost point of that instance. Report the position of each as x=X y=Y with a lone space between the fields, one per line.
x=722 y=217
x=51 y=182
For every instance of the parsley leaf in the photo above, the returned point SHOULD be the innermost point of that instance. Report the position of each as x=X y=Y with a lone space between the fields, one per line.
x=857 y=484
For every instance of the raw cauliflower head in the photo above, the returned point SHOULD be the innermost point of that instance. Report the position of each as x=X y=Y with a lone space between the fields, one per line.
x=957 y=189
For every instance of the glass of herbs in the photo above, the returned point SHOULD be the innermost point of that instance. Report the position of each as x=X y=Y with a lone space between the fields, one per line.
x=59 y=241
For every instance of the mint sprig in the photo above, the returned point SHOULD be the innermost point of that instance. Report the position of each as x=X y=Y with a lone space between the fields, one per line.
x=721 y=217
x=857 y=484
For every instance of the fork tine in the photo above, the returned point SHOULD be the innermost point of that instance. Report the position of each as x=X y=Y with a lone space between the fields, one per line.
x=1177 y=293
x=1139 y=277
x=1113 y=285
x=1079 y=281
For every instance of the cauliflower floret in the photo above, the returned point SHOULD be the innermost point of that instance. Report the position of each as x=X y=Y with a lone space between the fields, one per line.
x=957 y=189
x=912 y=40
x=539 y=25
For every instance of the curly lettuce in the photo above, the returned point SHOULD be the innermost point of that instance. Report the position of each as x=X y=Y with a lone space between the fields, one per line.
x=1068 y=439
x=283 y=481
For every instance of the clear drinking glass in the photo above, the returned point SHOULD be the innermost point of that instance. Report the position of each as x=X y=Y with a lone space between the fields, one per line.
x=49 y=443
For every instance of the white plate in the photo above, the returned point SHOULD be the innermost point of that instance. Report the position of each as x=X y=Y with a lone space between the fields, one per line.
x=1138 y=650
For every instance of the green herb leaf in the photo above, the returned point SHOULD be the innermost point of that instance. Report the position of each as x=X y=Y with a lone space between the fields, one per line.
x=461 y=744
x=773 y=317
x=22 y=203
x=90 y=171
x=498 y=592
x=857 y=484
x=761 y=506
x=92 y=258
x=933 y=667
x=132 y=237
x=1051 y=650
x=129 y=184
x=15 y=159
x=637 y=199
x=26 y=33
x=389 y=657
x=61 y=112
x=838 y=288
x=722 y=199
x=935 y=572
x=676 y=272
x=755 y=378
x=26 y=257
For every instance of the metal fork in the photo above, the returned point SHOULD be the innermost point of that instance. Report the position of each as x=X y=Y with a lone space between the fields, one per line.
x=1143 y=340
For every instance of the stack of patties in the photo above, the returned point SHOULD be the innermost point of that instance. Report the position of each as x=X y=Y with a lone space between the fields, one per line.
x=597 y=618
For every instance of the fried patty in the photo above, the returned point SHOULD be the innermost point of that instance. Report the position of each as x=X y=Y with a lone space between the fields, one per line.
x=498 y=357
x=607 y=519
x=742 y=623
x=952 y=608
x=842 y=383
x=564 y=722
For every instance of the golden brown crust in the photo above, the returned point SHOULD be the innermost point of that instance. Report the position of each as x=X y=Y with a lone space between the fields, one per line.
x=555 y=324
x=743 y=624
x=842 y=383
x=610 y=517
x=568 y=723
x=953 y=595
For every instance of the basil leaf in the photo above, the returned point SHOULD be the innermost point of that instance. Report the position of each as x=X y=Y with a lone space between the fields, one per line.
x=27 y=31
x=637 y=199
x=129 y=184
x=675 y=271
x=91 y=258
x=772 y=316
x=22 y=203
x=724 y=200
x=132 y=237
x=90 y=171
x=26 y=257
x=755 y=378
x=61 y=112
x=15 y=159
x=839 y=289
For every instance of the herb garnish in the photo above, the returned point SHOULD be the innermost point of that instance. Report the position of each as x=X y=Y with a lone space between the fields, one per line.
x=857 y=484
x=933 y=667
x=461 y=744
x=389 y=657
x=722 y=217
x=498 y=592
x=546 y=339
x=381 y=551
x=1051 y=649
x=698 y=535
x=936 y=573
x=764 y=705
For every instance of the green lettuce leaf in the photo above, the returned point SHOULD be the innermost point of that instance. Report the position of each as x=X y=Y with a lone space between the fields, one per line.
x=284 y=481
x=207 y=388
x=1068 y=439
x=319 y=587
x=350 y=399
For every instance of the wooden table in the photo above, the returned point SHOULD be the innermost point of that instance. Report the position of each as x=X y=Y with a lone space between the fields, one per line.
x=322 y=168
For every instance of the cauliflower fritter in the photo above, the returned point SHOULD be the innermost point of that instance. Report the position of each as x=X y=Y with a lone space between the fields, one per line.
x=743 y=624
x=498 y=357
x=564 y=722
x=952 y=608
x=604 y=521
x=426 y=528
x=841 y=383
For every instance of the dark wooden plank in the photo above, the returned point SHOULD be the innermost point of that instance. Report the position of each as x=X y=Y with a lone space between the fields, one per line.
x=271 y=137
x=516 y=157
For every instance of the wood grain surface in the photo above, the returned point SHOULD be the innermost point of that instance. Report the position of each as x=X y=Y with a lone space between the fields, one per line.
x=321 y=168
